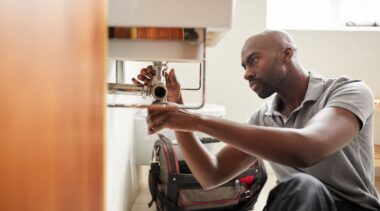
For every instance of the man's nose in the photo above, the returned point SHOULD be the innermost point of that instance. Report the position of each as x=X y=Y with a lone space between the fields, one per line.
x=248 y=74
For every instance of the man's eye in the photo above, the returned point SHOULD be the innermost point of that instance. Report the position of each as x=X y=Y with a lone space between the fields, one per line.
x=253 y=61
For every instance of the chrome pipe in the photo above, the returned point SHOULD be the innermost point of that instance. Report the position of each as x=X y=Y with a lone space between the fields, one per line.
x=120 y=76
x=156 y=88
x=158 y=91
x=128 y=89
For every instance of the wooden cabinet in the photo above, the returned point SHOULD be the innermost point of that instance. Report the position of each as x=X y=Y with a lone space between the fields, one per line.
x=52 y=105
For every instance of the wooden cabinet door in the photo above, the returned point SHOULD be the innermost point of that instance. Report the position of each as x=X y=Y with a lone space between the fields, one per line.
x=52 y=85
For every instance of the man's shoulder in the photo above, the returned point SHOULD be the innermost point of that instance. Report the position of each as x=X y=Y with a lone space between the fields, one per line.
x=350 y=94
x=345 y=80
x=344 y=83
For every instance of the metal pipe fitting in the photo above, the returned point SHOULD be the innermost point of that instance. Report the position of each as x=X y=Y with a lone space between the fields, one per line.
x=128 y=89
x=156 y=88
x=159 y=91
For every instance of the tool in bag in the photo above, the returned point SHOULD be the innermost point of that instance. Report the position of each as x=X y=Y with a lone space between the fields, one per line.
x=174 y=188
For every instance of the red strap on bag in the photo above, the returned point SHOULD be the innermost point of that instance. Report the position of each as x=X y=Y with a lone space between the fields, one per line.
x=248 y=181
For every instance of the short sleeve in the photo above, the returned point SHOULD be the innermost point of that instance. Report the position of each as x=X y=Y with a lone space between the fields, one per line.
x=252 y=120
x=355 y=96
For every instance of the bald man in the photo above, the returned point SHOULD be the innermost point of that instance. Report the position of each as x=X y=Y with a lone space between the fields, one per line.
x=316 y=133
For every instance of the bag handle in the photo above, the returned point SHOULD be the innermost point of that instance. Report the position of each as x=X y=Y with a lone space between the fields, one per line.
x=170 y=152
x=156 y=194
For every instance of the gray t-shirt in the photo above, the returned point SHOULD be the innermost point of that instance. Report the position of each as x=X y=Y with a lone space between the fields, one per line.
x=348 y=173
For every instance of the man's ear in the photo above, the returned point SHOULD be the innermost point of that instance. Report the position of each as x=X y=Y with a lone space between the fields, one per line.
x=288 y=54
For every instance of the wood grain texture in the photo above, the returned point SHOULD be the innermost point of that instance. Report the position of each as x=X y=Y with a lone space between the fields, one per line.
x=52 y=89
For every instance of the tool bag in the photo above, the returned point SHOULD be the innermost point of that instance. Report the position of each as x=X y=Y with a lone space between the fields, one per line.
x=174 y=188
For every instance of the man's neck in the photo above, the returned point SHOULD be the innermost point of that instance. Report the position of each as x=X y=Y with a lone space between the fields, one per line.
x=293 y=93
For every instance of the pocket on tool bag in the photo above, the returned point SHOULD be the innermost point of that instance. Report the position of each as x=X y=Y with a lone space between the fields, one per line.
x=223 y=196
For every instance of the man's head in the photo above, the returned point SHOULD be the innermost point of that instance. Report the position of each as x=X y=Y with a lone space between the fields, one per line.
x=266 y=59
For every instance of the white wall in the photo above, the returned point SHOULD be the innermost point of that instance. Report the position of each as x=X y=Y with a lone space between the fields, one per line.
x=334 y=53
x=121 y=178
x=121 y=172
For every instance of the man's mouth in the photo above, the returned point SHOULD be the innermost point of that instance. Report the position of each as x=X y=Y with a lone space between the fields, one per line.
x=253 y=84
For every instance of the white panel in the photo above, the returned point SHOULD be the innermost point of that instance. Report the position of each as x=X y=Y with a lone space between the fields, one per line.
x=216 y=16
x=147 y=50
x=171 y=13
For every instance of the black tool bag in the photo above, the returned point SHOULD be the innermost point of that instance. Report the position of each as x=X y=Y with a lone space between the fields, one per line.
x=174 y=188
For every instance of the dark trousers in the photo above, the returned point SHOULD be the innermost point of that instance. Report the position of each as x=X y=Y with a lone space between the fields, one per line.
x=302 y=192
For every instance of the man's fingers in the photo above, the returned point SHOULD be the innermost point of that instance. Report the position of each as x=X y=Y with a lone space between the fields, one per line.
x=146 y=74
x=135 y=81
x=172 y=78
x=166 y=76
x=148 y=70
x=144 y=78
x=149 y=75
x=156 y=124
x=143 y=71
x=154 y=114
x=154 y=130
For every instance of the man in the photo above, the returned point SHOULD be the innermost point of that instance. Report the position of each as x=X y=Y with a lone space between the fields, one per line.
x=317 y=132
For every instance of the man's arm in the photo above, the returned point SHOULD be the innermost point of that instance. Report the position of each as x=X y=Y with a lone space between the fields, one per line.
x=328 y=131
x=212 y=170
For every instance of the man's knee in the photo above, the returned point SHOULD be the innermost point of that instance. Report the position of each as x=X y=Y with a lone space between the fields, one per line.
x=298 y=185
x=301 y=181
x=300 y=192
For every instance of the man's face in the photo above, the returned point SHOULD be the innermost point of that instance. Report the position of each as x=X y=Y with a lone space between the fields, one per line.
x=262 y=69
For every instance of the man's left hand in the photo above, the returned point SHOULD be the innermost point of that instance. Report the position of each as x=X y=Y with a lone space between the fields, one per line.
x=178 y=119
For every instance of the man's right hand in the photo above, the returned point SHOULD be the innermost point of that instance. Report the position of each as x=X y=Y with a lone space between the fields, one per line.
x=174 y=88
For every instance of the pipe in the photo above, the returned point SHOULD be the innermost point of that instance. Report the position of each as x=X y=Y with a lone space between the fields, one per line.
x=156 y=88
